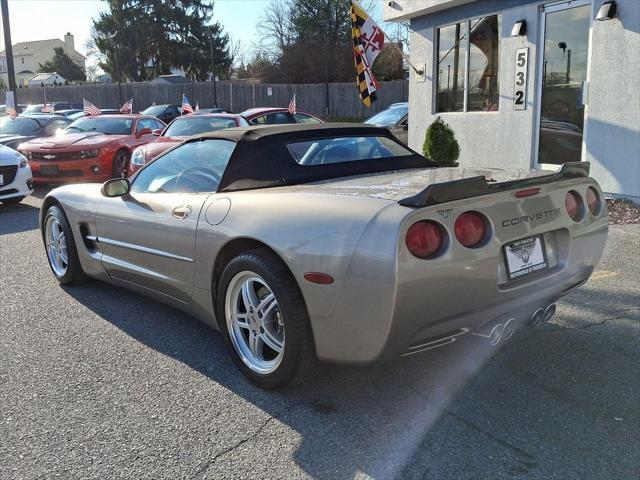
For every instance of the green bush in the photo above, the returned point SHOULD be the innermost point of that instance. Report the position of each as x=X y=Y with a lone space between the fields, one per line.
x=440 y=144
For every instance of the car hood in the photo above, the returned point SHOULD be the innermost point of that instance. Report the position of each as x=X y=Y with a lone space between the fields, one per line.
x=8 y=156
x=70 y=140
x=7 y=138
x=163 y=143
x=400 y=184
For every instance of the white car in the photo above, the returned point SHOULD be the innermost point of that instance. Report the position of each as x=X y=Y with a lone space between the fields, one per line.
x=16 y=181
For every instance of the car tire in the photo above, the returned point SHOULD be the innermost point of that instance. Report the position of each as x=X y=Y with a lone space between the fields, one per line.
x=288 y=321
x=65 y=265
x=12 y=201
x=120 y=164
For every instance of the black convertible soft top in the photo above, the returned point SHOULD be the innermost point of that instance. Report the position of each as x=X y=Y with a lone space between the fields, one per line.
x=261 y=158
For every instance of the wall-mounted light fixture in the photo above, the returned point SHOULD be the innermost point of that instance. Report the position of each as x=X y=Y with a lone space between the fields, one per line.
x=607 y=11
x=519 y=28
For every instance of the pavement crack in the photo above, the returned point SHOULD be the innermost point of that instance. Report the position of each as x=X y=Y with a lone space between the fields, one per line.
x=233 y=447
x=243 y=441
x=519 y=451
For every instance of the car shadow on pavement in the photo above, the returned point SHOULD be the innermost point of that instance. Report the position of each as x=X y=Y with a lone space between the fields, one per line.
x=539 y=405
x=18 y=218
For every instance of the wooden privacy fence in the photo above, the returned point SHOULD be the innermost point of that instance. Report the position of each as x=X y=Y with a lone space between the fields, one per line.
x=234 y=95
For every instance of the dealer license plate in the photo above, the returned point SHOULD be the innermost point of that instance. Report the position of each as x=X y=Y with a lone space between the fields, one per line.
x=49 y=170
x=525 y=256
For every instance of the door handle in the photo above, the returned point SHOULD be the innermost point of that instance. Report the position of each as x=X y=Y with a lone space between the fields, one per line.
x=182 y=211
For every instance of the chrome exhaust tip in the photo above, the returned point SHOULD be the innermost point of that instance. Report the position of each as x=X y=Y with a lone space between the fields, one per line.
x=549 y=312
x=496 y=334
x=508 y=329
x=537 y=318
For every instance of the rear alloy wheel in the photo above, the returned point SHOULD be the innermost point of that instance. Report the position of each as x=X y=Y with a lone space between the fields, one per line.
x=60 y=247
x=264 y=321
x=254 y=322
x=120 y=164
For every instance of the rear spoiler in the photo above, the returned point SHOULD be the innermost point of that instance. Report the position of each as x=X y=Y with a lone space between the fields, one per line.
x=476 y=186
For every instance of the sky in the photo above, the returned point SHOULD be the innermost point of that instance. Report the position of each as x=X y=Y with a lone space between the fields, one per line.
x=44 y=19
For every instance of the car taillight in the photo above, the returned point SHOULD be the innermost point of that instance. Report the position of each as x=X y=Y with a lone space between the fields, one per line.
x=470 y=229
x=424 y=238
x=593 y=201
x=573 y=204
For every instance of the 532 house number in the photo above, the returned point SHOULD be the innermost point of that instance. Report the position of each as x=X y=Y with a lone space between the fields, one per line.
x=520 y=82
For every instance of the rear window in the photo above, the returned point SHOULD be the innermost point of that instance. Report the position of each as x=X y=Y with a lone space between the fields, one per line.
x=345 y=149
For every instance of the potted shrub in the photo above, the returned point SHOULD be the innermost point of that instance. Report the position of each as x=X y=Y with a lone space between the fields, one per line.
x=440 y=144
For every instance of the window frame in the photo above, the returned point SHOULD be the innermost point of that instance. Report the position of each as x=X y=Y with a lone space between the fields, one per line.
x=467 y=58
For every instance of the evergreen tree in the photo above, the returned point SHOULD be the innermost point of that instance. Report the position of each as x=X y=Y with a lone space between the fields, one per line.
x=63 y=65
x=141 y=39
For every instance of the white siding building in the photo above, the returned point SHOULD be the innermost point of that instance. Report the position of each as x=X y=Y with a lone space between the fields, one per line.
x=560 y=86
x=27 y=56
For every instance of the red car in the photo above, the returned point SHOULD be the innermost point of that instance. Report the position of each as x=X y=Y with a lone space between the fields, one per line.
x=277 y=116
x=91 y=149
x=181 y=128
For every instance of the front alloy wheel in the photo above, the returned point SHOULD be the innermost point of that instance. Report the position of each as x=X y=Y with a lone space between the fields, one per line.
x=60 y=247
x=56 y=245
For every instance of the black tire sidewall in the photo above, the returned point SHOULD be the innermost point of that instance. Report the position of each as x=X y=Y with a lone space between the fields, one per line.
x=74 y=271
x=125 y=166
x=292 y=308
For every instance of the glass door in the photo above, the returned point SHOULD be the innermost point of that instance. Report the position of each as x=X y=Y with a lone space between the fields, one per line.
x=563 y=71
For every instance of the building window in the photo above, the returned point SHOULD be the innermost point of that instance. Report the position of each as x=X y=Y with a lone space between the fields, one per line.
x=468 y=56
x=22 y=60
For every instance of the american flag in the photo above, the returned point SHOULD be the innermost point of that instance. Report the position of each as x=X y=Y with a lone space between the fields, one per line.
x=11 y=112
x=127 y=107
x=89 y=108
x=47 y=108
x=186 y=106
x=292 y=105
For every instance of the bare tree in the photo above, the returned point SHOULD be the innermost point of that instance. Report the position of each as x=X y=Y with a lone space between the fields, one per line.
x=275 y=27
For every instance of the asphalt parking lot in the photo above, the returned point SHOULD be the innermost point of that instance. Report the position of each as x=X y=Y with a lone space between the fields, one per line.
x=98 y=382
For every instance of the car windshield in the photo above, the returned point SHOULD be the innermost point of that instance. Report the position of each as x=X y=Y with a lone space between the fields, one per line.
x=108 y=126
x=388 y=117
x=345 y=149
x=18 y=126
x=34 y=109
x=186 y=126
x=154 y=110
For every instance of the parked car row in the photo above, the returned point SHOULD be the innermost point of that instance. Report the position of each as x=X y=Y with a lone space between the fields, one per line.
x=71 y=147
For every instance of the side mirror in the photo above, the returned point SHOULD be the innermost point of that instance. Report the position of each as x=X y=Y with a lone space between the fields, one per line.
x=116 y=187
x=405 y=126
x=157 y=132
x=144 y=131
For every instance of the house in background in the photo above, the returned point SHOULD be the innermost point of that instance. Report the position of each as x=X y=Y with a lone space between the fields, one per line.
x=169 y=79
x=46 y=79
x=530 y=83
x=27 y=56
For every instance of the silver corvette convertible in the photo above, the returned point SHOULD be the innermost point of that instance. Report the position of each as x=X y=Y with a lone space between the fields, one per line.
x=334 y=243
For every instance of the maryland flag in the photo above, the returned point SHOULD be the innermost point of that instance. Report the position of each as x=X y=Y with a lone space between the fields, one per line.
x=368 y=39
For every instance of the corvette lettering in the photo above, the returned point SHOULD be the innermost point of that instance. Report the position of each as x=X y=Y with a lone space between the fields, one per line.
x=531 y=218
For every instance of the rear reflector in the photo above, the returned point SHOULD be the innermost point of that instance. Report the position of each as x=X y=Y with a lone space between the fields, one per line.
x=573 y=204
x=529 y=192
x=470 y=229
x=317 y=277
x=424 y=239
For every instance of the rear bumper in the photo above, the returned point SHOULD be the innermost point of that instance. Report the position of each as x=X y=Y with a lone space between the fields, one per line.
x=394 y=301
x=73 y=171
